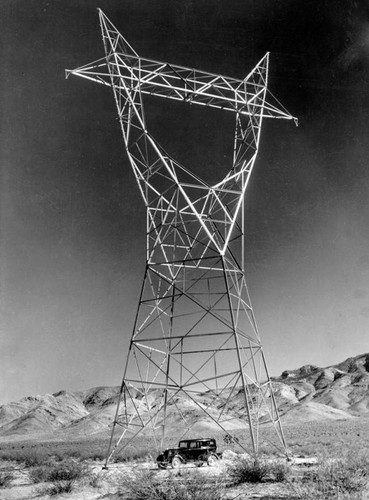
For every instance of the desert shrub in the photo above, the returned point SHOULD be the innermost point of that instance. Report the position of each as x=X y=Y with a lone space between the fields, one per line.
x=5 y=479
x=93 y=455
x=95 y=480
x=39 y=474
x=67 y=470
x=306 y=450
x=343 y=477
x=83 y=452
x=61 y=457
x=139 y=454
x=247 y=470
x=62 y=474
x=76 y=453
x=60 y=487
x=30 y=458
x=279 y=471
x=146 y=485
x=53 y=471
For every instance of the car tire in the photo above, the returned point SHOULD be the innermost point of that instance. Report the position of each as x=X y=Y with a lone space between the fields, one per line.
x=177 y=462
x=160 y=462
x=212 y=460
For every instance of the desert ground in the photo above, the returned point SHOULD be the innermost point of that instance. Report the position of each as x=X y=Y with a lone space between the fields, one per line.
x=53 y=446
x=312 y=445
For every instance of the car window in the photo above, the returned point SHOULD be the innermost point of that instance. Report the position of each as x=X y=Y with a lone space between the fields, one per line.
x=183 y=444
x=193 y=445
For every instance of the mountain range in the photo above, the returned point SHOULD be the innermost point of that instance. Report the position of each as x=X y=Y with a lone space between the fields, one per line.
x=308 y=393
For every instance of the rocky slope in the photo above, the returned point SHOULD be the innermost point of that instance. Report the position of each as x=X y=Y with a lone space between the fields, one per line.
x=309 y=393
x=340 y=391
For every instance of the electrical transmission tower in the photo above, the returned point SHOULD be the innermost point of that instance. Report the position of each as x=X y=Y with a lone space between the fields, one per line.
x=195 y=343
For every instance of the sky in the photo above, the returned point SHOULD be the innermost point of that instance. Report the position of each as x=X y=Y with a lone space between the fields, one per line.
x=72 y=223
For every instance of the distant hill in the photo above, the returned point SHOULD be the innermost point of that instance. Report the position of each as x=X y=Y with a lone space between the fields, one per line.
x=308 y=393
x=313 y=393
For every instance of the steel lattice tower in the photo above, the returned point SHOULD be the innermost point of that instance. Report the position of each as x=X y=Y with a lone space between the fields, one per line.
x=194 y=331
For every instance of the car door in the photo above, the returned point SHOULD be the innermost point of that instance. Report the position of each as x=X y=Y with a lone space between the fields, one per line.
x=192 y=450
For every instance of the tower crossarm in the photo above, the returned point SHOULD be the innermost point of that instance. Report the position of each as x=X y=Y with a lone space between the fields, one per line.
x=183 y=84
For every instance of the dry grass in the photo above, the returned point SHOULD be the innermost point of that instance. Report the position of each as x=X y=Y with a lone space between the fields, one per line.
x=342 y=471
x=31 y=454
x=305 y=439
x=29 y=458
x=248 y=470
x=345 y=476
x=59 y=487
x=52 y=471
x=187 y=485
x=63 y=475
x=134 y=455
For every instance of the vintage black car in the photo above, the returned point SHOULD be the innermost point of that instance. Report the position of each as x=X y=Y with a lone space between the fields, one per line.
x=198 y=451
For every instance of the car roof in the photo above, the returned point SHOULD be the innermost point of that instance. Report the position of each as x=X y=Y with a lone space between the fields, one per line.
x=197 y=439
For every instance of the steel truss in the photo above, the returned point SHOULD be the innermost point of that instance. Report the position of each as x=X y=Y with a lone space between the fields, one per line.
x=195 y=332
